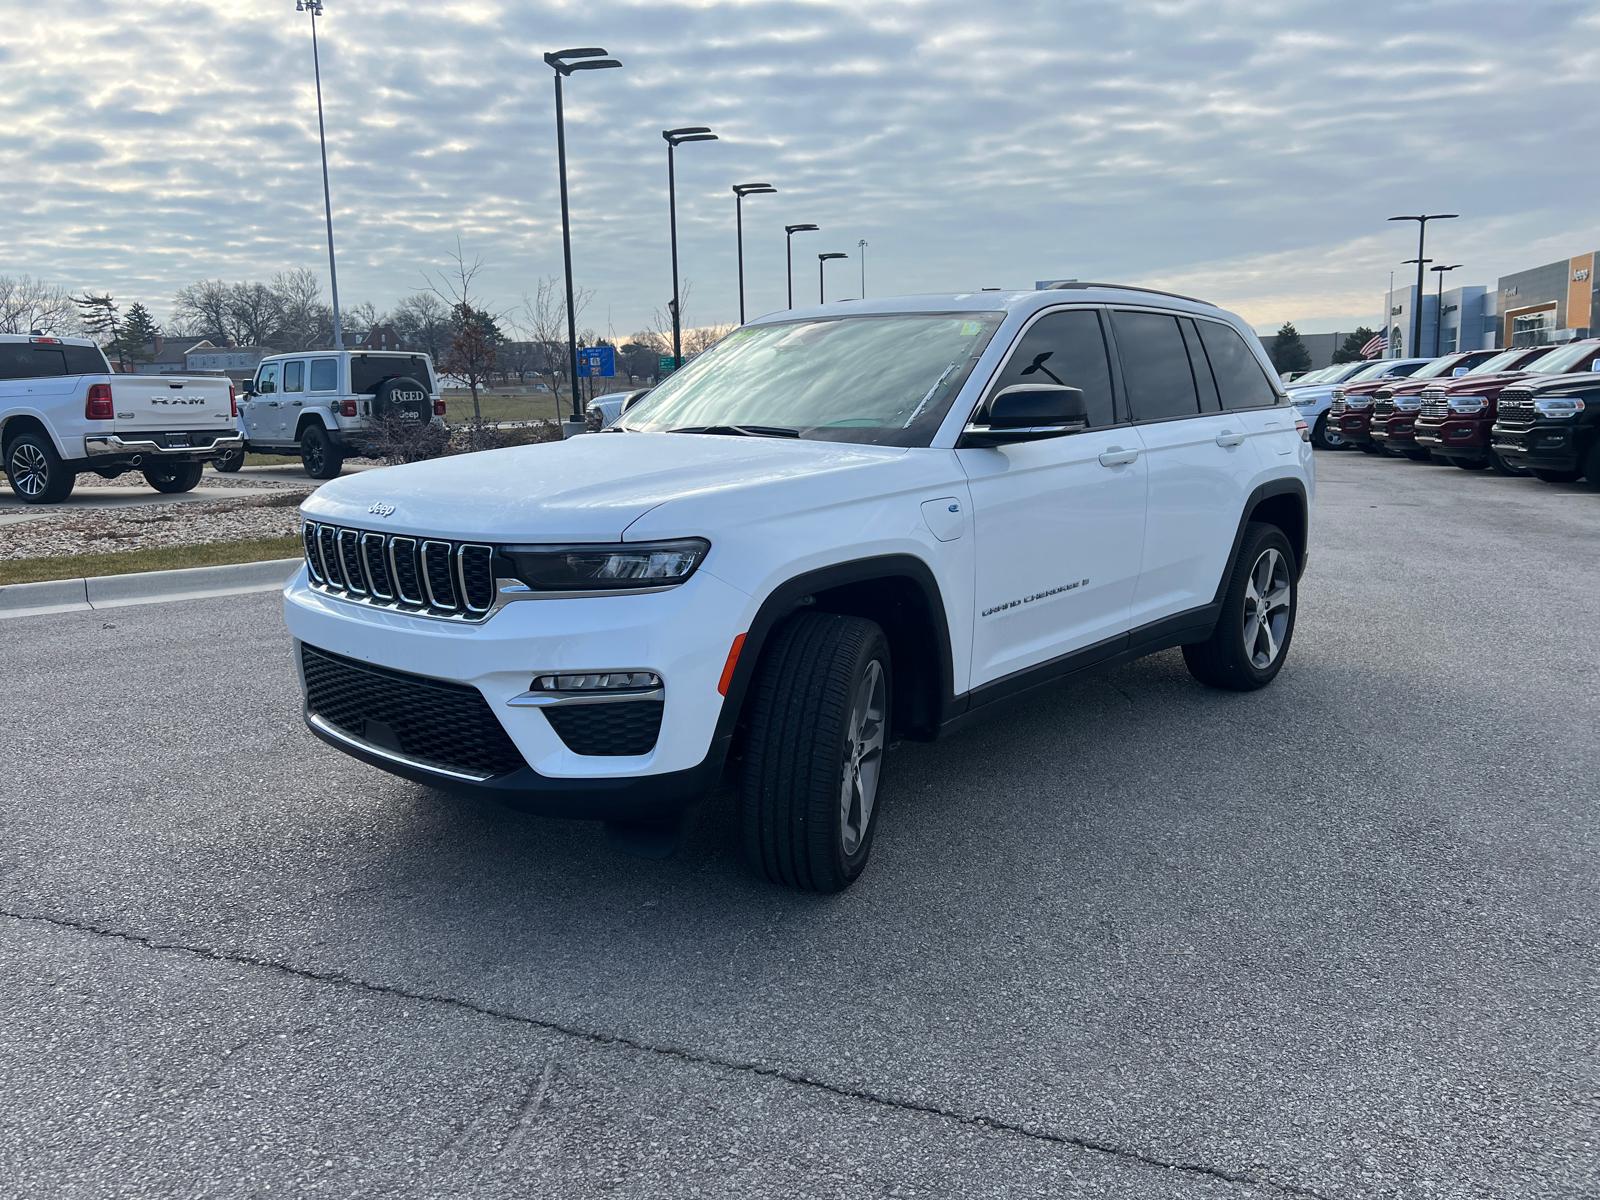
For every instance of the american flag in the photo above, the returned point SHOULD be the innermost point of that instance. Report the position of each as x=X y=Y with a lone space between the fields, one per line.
x=1375 y=347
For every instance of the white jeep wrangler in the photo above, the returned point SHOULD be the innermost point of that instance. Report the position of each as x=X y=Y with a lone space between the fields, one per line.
x=327 y=405
x=842 y=526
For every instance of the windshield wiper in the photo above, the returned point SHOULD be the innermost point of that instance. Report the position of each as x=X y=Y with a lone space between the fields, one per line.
x=740 y=430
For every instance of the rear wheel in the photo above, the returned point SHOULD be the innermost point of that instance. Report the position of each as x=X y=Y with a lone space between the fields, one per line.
x=818 y=726
x=318 y=455
x=38 y=476
x=1570 y=476
x=1251 y=639
x=1324 y=438
x=174 y=477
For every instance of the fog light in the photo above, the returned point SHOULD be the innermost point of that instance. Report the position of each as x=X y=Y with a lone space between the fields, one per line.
x=609 y=681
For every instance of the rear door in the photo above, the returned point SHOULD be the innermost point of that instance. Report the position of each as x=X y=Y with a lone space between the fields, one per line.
x=1249 y=395
x=1058 y=523
x=1201 y=461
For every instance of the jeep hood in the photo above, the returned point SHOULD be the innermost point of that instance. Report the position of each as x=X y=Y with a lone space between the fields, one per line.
x=589 y=488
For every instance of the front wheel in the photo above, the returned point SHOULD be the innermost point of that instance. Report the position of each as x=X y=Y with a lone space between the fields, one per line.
x=174 y=477
x=1568 y=476
x=1418 y=455
x=229 y=461
x=1369 y=447
x=317 y=454
x=1324 y=438
x=1251 y=639
x=38 y=476
x=813 y=763
x=1473 y=464
x=1501 y=465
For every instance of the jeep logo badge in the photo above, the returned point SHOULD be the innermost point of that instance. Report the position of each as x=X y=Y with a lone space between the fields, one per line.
x=380 y=509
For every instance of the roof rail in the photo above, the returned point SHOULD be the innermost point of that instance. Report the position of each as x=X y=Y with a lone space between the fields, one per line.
x=1074 y=285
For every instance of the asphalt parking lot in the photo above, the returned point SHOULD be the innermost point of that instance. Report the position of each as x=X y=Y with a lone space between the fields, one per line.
x=1333 y=939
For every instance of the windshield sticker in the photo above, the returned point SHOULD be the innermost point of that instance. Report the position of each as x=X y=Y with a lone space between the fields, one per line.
x=971 y=328
x=1055 y=591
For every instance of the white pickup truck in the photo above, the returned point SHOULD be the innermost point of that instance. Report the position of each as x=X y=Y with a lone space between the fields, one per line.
x=63 y=411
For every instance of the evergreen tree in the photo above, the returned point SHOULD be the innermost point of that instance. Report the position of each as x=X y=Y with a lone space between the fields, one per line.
x=1289 y=354
x=1350 y=351
x=100 y=320
x=139 y=331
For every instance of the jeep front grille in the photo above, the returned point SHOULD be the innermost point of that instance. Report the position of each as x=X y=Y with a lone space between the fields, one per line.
x=430 y=578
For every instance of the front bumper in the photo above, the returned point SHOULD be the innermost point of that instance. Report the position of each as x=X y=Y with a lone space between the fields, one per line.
x=682 y=634
x=1355 y=426
x=1399 y=429
x=172 y=446
x=1548 y=446
x=1463 y=438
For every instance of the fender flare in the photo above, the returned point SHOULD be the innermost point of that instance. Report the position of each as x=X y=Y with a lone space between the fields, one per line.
x=786 y=598
x=1285 y=486
x=30 y=417
x=318 y=415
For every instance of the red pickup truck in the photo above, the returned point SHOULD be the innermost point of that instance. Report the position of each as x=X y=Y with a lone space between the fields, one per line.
x=1454 y=421
x=1355 y=405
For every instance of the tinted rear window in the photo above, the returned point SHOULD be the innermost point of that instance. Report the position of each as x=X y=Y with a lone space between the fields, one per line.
x=1155 y=366
x=1240 y=378
x=1066 y=348
x=23 y=360
x=367 y=371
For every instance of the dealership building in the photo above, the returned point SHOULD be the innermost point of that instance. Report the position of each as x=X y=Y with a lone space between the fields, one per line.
x=1541 y=306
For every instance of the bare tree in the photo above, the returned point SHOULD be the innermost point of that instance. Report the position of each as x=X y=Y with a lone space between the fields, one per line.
x=204 y=309
x=256 y=311
x=423 y=321
x=28 y=304
x=545 y=320
x=305 y=321
x=360 y=318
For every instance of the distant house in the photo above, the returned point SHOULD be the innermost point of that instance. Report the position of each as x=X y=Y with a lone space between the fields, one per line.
x=381 y=337
x=165 y=356
x=236 y=362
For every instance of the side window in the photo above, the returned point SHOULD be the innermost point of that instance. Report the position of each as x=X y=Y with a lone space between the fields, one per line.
x=20 y=360
x=1155 y=366
x=324 y=374
x=267 y=383
x=1406 y=369
x=1066 y=348
x=1239 y=375
x=1210 y=400
x=294 y=377
x=85 y=360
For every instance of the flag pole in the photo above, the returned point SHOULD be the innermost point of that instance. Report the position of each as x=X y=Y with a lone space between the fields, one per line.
x=1388 y=315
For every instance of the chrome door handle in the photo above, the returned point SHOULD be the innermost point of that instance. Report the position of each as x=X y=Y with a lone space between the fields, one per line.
x=1117 y=457
x=296 y=403
x=1229 y=438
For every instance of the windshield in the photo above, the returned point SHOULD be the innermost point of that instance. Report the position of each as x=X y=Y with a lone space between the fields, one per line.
x=1500 y=362
x=1375 y=371
x=1438 y=367
x=367 y=371
x=1558 y=361
x=1312 y=377
x=886 y=380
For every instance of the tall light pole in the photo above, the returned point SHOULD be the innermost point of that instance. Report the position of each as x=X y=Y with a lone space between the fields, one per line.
x=788 y=252
x=674 y=139
x=822 y=262
x=861 y=247
x=589 y=58
x=314 y=7
x=1422 y=230
x=1438 y=312
x=740 y=191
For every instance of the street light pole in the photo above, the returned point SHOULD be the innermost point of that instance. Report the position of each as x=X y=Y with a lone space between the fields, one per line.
x=1438 y=312
x=822 y=262
x=314 y=7
x=1422 y=230
x=674 y=138
x=590 y=58
x=862 y=247
x=740 y=191
x=788 y=252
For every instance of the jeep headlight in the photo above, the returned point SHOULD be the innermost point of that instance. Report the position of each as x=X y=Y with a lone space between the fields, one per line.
x=1358 y=402
x=1468 y=404
x=607 y=567
x=1558 y=408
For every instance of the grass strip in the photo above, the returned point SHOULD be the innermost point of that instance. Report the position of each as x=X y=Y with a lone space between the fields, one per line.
x=160 y=558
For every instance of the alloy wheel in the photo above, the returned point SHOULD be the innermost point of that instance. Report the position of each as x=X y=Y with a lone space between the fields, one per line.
x=1266 y=609
x=30 y=470
x=864 y=736
x=311 y=452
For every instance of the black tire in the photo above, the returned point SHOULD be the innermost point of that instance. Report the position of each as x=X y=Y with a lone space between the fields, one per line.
x=1323 y=440
x=1591 y=466
x=1568 y=476
x=174 y=477
x=1473 y=464
x=1369 y=447
x=1501 y=465
x=37 y=474
x=229 y=462
x=801 y=749
x=1222 y=661
x=1418 y=455
x=318 y=454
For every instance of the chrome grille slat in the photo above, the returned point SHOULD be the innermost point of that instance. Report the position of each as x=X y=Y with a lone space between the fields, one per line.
x=438 y=575
x=349 y=543
x=476 y=572
x=328 y=548
x=1434 y=408
x=430 y=578
x=377 y=564
x=308 y=537
x=403 y=560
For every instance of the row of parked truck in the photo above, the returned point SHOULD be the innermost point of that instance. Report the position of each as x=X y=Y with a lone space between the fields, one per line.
x=1530 y=410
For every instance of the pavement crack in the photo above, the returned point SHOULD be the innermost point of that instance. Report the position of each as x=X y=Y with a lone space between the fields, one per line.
x=598 y=1038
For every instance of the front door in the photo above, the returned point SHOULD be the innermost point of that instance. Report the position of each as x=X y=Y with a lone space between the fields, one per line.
x=1058 y=524
x=261 y=411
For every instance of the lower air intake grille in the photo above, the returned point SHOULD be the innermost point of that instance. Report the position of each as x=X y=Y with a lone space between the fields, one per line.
x=448 y=725
x=624 y=728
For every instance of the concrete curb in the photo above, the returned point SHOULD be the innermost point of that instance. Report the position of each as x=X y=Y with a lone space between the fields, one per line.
x=145 y=587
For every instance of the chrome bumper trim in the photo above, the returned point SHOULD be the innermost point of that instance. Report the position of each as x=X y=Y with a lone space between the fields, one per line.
x=102 y=444
x=333 y=731
x=563 y=699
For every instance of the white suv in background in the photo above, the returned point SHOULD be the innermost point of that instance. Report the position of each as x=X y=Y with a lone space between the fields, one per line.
x=842 y=526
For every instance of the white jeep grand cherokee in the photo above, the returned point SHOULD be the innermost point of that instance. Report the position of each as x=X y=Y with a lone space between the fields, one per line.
x=842 y=526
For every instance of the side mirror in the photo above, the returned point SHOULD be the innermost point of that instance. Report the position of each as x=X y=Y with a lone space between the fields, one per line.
x=1026 y=412
x=247 y=389
x=1458 y=372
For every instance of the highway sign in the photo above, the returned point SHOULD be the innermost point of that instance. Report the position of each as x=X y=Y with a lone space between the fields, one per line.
x=598 y=361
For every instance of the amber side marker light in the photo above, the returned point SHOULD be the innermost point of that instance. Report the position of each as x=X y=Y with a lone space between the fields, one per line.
x=727 y=668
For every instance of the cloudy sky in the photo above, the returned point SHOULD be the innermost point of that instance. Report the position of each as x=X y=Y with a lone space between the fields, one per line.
x=1244 y=152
